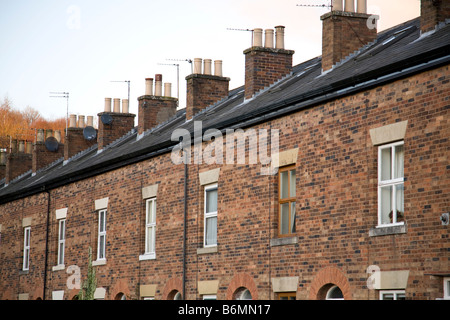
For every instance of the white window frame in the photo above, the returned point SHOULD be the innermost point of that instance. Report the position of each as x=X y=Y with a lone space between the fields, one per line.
x=446 y=282
x=61 y=241
x=209 y=214
x=150 y=254
x=26 y=248
x=101 y=234
x=395 y=293
x=391 y=182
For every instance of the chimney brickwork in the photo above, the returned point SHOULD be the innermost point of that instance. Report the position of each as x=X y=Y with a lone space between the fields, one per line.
x=266 y=65
x=155 y=109
x=342 y=34
x=42 y=157
x=75 y=141
x=120 y=125
x=17 y=164
x=204 y=90
x=433 y=12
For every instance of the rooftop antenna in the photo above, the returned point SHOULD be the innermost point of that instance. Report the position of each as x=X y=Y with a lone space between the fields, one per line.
x=127 y=81
x=63 y=95
x=329 y=5
x=186 y=60
x=236 y=29
x=178 y=75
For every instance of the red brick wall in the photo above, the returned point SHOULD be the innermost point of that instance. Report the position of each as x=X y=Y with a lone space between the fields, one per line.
x=121 y=124
x=433 y=12
x=75 y=142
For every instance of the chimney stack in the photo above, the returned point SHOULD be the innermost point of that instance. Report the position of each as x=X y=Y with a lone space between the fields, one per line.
x=205 y=89
x=113 y=125
x=432 y=13
x=266 y=65
x=344 y=32
x=155 y=109
x=75 y=141
x=46 y=151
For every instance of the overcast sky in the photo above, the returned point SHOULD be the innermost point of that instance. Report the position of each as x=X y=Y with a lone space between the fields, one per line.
x=81 y=46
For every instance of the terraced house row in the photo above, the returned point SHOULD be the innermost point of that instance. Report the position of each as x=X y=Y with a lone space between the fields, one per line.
x=323 y=180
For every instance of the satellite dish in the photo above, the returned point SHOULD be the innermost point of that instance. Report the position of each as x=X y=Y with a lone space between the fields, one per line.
x=89 y=133
x=52 y=144
x=106 y=119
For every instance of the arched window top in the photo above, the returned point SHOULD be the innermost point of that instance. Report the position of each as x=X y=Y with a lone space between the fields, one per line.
x=334 y=293
x=243 y=294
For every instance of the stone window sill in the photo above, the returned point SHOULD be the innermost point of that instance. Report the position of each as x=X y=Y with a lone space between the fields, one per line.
x=283 y=241
x=207 y=250
x=388 y=230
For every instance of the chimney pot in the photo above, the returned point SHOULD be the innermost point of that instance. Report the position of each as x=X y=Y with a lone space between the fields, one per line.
x=107 y=104
x=57 y=134
x=48 y=133
x=197 y=65
x=149 y=86
x=207 y=66
x=116 y=105
x=72 y=121
x=218 y=68
x=337 y=5
x=349 y=5
x=81 y=122
x=279 y=37
x=158 y=85
x=257 y=37
x=90 y=121
x=40 y=134
x=22 y=146
x=268 y=39
x=125 y=106
x=362 y=6
x=168 y=89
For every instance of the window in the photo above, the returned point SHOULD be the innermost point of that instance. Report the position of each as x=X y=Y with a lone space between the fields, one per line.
x=26 y=248
x=287 y=296
x=286 y=225
x=61 y=241
x=101 y=246
x=392 y=295
x=150 y=226
x=334 y=293
x=243 y=294
x=447 y=288
x=390 y=184
x=210 y=236
x=209 y=297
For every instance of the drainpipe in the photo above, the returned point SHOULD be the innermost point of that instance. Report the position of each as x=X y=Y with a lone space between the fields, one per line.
x=46 y=245
x=185 y=227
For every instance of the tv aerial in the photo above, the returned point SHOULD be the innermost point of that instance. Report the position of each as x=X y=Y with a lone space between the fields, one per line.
x=66 y=96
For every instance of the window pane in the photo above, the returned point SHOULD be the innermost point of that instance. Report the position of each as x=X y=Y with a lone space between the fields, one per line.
x=102 y=222
x=386 y=204
x=386 y=164
x=284 y=218
x=292 y=183
x=62 y=231
x=401 y=296
x=101 y=253
x=211 y=200
x=284 y=186
x=150 y=243
x=388 y=296
x=292 y=226
x=61 y=253
x=399 y=203
x=399 y=160
x=151 y=217
x=211 y=231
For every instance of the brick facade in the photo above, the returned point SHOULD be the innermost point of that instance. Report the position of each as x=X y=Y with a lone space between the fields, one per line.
x=337 y=240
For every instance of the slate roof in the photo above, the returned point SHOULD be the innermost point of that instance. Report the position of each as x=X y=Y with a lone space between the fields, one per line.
x=397 y=52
